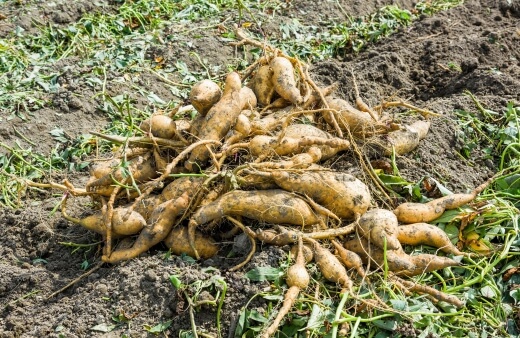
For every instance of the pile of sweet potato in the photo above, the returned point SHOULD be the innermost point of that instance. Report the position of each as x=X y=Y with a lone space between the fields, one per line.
x=255 y=160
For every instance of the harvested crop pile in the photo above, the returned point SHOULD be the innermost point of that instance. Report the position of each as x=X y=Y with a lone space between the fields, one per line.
x=255 y=159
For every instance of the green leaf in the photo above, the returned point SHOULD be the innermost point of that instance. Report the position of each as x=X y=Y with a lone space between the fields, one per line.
x=257 y=316
x=453 y=233
x=103 y=328
x=260 y=274
x=389 y=324
x=488 y=292
x=161 y=327
x=176 y=282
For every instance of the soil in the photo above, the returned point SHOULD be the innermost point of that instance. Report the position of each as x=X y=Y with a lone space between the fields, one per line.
x=480 y=36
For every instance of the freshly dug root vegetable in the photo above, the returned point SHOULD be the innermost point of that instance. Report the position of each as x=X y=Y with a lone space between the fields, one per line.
x=307 y=252
x=341 y=193
x=103 y=168
x=397 y=260
x=298 y=279
x=159 y=126
x=271 y=206
x=436 y=294
x=378 y=226
x=427 y=234
x=350 y=118
x=404 y=140
x=283 y=80
x=123 y=222
x=176 y=188
x=177 y=241
x=203 y=95
x=221 y=117
x=426 y=263
x=262 y=145
x=427 y=212
x=329 y=265
x=157 y=228
x=141 y=169
x=262 y=85
x=284 y=236
x=349 y=258
x=298 y=130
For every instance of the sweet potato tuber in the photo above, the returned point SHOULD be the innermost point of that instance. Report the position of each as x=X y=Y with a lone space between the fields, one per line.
x=426 y=234
x=263 y=145
x=404 y=140
x=378 y=226
x=156 y=229
x=349 y=258
x=141 y=169
x=123 y=222
x=203 y=95
x=271 y=206
x=425 y=263
x=284 y=81
x=341 y=193
x=349 y=118
x=159 y=126
x=262 y=85
x=397 y=260
x=221 y=117
x=298 y=279
x=329 y=265
x=177 y=241
x=427 y=212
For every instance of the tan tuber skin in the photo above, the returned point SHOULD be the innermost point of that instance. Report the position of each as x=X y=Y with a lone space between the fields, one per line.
x=178 y=243
x=123 y=222
x=404 y=140
x=341 y=193
x=159 y=126
x=203 y=95
x=283 y=80
x=378 y=226
x=157 y=228
x=271 y=206
x=427 y=212
x=329 y=265
x=221 y=117
x=427 y=234
x=298 y=279
x=262 y=85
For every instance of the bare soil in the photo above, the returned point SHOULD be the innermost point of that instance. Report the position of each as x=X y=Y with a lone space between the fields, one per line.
x=482 y=36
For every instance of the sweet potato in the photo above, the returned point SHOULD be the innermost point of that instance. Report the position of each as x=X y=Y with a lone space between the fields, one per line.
x=271 y=206
x=123 y=222
x=426 y=263
x=397 y=260
x=426 y=234
x=156 y=229
x=298 y=279
x=221 y=118
x=329 y=265
x=427 y=212
x=404 y=140
x=349 y=258
x=177 y=241
x=262 y=85
x=141 y=169
x=349 y=118
x=378 y=226
x=103 y=168
x=159 y=126
x=203 y=95
x=341 y=193
x=263 y=145
x=299 y=130
x=436 y=294
x=284 y=81
x=307 y=252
